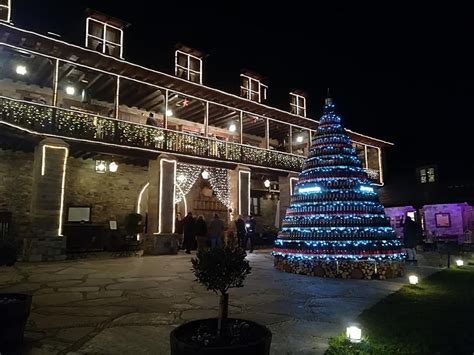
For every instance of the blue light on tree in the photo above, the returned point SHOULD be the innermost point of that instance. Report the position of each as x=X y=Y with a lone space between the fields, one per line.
x=335 y=214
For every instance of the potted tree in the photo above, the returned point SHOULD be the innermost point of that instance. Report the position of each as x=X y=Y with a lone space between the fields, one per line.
x=220 y=269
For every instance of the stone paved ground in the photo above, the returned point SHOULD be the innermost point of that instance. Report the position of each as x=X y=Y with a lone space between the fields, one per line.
x=129 y=305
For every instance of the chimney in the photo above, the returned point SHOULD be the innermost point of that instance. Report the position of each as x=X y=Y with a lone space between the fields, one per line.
x=104 y=33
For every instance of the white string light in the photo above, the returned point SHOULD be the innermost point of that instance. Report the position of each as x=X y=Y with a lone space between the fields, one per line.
x=186 y=176
x=220 y=182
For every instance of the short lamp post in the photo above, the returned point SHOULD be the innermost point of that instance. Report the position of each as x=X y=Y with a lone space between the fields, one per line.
x=354 y=333
x=459 y=262
x=413 y=279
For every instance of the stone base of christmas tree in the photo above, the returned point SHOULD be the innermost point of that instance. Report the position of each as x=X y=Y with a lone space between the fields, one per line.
x=345 y=269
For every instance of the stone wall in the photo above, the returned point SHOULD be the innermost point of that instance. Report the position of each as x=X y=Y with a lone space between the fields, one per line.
x=16 y=181
x=268 y=209
x=111 y=195
x=456 y=214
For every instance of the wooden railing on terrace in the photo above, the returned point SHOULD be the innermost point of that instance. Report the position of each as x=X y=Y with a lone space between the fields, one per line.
x=67 y=123
x=78 y=125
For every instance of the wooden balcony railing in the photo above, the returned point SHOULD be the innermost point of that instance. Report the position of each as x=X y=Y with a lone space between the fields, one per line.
x=79 y=125
x=75 y=124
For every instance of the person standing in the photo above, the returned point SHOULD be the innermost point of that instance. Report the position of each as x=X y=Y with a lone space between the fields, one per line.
x=240 y=229
x=151 y=120
x=411 y=233
x=201 y=232
x=178 y=229
x=216 y=231
x=250 y=230
x=189 y=231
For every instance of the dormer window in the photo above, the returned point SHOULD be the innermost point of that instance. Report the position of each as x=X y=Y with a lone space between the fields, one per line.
x=105 y=34
x=5 y=10
x=298 y=104
x=188 y=65
x=251 y=88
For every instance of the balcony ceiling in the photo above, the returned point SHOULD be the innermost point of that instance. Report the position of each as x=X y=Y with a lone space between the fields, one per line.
x=102 y=85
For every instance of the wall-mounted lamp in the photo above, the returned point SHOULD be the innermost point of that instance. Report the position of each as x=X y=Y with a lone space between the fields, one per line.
x=267 y=183
x=100 y=166
x=169 y=113
x=113 y=167
x=232 y=127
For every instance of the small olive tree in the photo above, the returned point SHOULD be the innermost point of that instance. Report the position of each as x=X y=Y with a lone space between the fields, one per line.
x=220 y=269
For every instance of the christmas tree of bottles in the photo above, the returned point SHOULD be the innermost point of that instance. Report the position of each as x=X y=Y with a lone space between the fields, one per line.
x=335 y=225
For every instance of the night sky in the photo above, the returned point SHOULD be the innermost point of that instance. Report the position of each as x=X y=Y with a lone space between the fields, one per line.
x=400 y=73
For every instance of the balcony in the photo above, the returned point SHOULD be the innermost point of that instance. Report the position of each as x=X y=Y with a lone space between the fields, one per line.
x=50 y=120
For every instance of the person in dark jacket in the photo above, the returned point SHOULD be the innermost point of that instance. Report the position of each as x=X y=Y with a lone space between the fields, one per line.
x=201 y=232
x=250 y=229
x=411 y=234
x=216 y=231
x=189 y=231
x=151 y=120
x=178 y=229
x=240 y=227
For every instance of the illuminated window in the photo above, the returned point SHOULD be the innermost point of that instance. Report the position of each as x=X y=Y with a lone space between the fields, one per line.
x=104 y=37
x=297 y=104
x=252 y=89
x=431 y=175
x=188 y=66
x=427 y=175
x=5 y=9
x=423 y=176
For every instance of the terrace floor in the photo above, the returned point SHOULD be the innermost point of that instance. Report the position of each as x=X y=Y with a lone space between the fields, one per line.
x=130 y=305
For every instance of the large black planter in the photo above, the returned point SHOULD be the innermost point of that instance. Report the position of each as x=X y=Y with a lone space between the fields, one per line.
x=181 y=343
x=14 y=312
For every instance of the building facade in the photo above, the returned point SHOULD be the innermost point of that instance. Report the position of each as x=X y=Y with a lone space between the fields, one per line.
x=87 y=136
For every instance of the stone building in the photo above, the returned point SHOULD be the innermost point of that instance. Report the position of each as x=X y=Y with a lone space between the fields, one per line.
x=87 y=138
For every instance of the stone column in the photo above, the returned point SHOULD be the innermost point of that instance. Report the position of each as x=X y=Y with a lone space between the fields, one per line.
x=47 y=202
x=161 y=207
x=240 y=179
x=286 y=189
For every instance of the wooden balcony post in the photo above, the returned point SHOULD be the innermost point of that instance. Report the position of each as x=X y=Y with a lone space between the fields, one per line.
x=165 y=114
x=206 y=120
x=241 y=127
x=117 y=98
x=267 y=133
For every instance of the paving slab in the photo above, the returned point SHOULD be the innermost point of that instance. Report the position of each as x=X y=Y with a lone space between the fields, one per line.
x=130 y=305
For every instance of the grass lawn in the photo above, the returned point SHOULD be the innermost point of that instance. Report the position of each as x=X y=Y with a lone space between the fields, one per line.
x=434 y=317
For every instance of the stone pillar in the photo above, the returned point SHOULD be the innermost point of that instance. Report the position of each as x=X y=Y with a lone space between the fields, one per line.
x=47 y=202
x=285 y=184
x=240 y=179
x=161 y=207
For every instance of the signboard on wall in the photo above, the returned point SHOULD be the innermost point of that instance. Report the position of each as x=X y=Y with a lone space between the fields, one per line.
x=443 y=220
